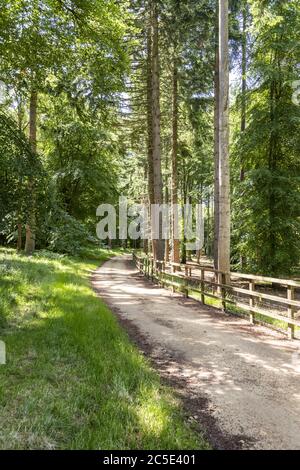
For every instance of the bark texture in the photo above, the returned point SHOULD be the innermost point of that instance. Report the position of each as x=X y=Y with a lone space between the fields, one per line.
x=244 y=82
x=175 y=240
x=31 y=222
x=216 y=145
x=224 y=168
x=158 y=243
x=149 y=128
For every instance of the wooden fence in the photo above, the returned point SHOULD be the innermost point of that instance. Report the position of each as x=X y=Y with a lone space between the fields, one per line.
x=200 y=281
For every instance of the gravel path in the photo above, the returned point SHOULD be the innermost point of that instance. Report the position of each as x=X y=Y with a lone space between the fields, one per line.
x=240 y=383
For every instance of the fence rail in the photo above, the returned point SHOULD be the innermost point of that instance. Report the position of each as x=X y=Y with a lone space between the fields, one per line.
x=191 y=279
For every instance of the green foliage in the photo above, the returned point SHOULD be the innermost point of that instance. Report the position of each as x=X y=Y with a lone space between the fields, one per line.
x=18 y=167
x=92 y=137
x=266 y=205
x=67 y=235
x=79 y=43
x=82 y=158
x=73 y=55
x=271 y=245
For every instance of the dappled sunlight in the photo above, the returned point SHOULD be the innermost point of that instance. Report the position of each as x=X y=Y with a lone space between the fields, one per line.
x=70 y=365
x=240 y=368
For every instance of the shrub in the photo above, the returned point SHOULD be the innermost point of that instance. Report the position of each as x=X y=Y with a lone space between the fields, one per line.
x=68 y=235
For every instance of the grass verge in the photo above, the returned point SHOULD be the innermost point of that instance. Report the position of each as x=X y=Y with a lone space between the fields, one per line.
x=73 y=380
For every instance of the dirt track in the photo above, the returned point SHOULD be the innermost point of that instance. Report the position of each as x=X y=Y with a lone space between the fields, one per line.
x=241 y=383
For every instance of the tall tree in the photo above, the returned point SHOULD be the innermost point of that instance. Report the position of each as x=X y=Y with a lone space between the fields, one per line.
x=244 y=77
x=175 y=239
x=158 y=251
x=224 y=167
x=266 y=206
x=216 y=139
x=31 y=221
x=60 y=46
x=150 y=128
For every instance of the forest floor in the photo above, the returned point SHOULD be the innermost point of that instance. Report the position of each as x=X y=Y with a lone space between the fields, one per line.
x=238 y=382
x=72 y=378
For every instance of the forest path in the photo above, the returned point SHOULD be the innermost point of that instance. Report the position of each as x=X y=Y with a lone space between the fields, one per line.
x=241 y=383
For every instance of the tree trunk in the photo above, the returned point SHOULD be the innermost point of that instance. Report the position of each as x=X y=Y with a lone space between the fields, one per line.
x=216 y=145
x=184 y=192
x=208 y=243
x=19 y=224
x=224 y=167
x=199 y=252
x=145 y=202
x=149 y=129
x=156 y=141
x=243 y=260
x=175 y=240
x=30 y=226
x=273 y=159
x=244 y=82
x=167 y=241
x=189 y=252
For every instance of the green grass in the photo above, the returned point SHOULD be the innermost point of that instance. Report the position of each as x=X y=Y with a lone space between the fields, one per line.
x=73 y=380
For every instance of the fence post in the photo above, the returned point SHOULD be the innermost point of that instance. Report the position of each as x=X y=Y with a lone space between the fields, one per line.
x=185 y=288
x=172 y=272
x=202 y=285
x=291 y=296
x=163 y=269
x=251 y=300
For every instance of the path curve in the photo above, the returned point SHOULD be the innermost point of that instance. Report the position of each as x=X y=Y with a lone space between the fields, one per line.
x=241 y=383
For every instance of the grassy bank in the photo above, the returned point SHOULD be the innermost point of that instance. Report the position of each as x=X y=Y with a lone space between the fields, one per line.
x=73 y=380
